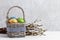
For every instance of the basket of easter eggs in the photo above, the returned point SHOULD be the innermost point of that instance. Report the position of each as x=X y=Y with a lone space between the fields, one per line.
x=16 y=26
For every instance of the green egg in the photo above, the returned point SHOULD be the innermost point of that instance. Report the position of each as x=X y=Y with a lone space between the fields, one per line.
x=20 y=20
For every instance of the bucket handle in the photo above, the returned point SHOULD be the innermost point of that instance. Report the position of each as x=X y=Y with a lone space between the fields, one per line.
x=17 y=7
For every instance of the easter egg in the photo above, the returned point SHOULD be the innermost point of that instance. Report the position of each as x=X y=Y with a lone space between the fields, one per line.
x=20 y=20
x=13 y=18
x=13 y=21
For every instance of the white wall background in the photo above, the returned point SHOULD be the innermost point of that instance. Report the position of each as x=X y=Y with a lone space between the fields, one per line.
x=46 y=10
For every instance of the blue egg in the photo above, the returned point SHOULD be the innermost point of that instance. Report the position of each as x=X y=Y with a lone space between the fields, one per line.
x=13 y=17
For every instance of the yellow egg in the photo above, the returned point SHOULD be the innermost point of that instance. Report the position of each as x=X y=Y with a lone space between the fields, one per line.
x=13 y=21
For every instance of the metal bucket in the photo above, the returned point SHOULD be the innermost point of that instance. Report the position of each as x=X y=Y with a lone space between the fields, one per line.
x=16 y=29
